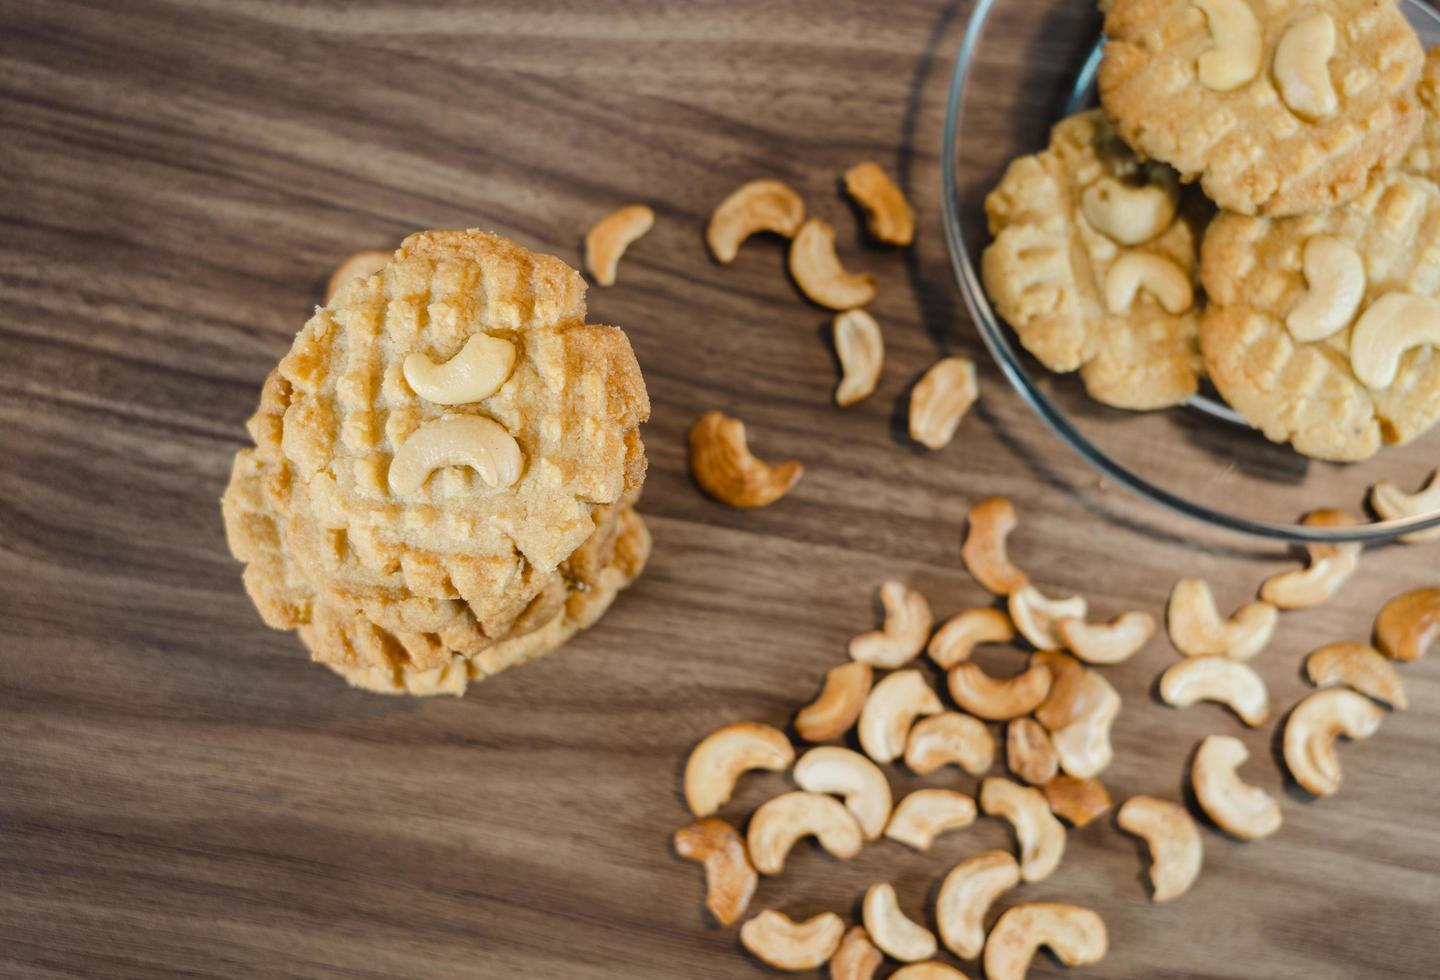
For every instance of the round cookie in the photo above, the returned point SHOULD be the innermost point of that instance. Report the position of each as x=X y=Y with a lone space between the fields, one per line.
x=1238 y=93
x=1093 y=264
x=1424 y=157
x=1294 y=324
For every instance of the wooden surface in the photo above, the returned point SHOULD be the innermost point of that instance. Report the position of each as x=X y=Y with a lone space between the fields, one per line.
x=183 y=795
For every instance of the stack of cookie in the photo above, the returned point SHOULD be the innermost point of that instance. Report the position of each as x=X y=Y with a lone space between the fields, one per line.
x=1314 y=128
x=444 y=470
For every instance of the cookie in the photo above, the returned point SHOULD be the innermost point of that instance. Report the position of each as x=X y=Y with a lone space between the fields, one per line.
x=1093 y=264
x=1316 y=330
x=1424 y=157
x=1278 y=108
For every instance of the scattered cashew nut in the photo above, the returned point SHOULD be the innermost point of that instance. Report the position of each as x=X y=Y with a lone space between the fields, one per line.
x=852 y=777
x=727 y=753
x=1128 y=214
x=819 y=274
x=480 y=369
x=1239 y=45
x=1037 y=616
x=1041 y=837
x=857 y=958
x=890 y=710
x=1330 y=566
x=1310 y=733
x=887 y=214
x=954 y=641
x=1246 y=811
x=730 y=879
x=1076 y=801
x=998 y=698
x=1335 y=277
x=1029 y=752
x=926 y=814
x=1074 y=934
x=780 y=822
x=1156 y=274
x=1197 y=629
x=1176 y=851
x=861 y=349
x=940 y=400
x=929 y=970
x=361 y=265
x=456 y=440
x=1360 y=667
x=611 y=236
x=965 y=896
x=1220 y=679
x=907 y=627
x=1079 y=713
x=1392 y=503
x=984 y=552
x=892 y=930
x=831 y=714
x=788 y=945
x=722 y=464
x=950 y=737
x=1106 y=643
x=761 y=205
x=1408 y=624
x=1302 y=66
x=1389 y=327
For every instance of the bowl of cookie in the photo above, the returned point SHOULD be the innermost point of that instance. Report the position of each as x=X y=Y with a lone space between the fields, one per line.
x=1210 y=230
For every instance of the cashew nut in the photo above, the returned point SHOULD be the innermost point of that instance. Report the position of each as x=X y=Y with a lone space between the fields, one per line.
x=1408 y=624
x=940 y=400
x=891 y=709
x=1079 y=712
x=780 y=822
x=891 y=930
x=1391 y=325
x=818 y=272
x=761 y=205
x=926 y=814
x=1036 y=615
x=1076 y=801
x=984 y=553
x=1106 y=643
x=1335 y=278
x=1330 y=566
x=788 y=945
x=1041 y=837
x=1357 y=666
x=729 y=878
x=887 y=214
x=861 y=349
x=907 y=627
x=929 y=970
x=727 y=753
x=1157 y=275
x=1074 y=934
x=361 y=265
x=854 y=778
x=1197 y=630
x=1310 y=733
x=1131 y=215
x=1392 y=503
x=611 y=236
x=857 y=958
x=456 y=440
x=1228 y=682
x=721 y=463
x=1238 y=808
x=476 y=373
x=950 y=737
x=966 y=895
x=1235 y=58
x=1029 y=752
x=1176 y=852
x=838 y=706
x=963 y=632
x=998 y=698
x=1302 y=66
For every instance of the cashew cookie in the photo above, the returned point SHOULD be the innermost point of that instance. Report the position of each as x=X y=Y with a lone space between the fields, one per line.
x=1423 y=160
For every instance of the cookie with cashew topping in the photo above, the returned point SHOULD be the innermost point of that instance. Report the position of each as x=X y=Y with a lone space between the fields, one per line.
x=949 y=738
x=838 y=707
x=1331 y=565
x=1040 y=836
x=985 y=553
x=1312 y=728
x=789 y=945
x=1359 y=667
x=891 y=709
x=892 y=930
x=779 y=824
x=926 y=814
x=1275 y=109
x=966 y=895
x=1197 y=628
x=1220 y=679
x=724 y=467
x=1074 y=934
x=1176 y=852
x=907 y=627
x=851 y=776
x=730 y=879
x=1093 y=264
x=726 y=754
x=1244 y=811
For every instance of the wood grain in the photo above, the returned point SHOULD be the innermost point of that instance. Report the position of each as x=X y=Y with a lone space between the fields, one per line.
x=182 y=795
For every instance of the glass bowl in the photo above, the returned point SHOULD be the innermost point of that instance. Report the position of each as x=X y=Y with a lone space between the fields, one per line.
x=1024 y=65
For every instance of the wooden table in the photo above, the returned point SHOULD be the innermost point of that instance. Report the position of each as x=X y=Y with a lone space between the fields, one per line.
x=183 y=795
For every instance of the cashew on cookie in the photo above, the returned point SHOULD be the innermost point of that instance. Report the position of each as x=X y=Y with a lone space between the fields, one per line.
x=1093 y=264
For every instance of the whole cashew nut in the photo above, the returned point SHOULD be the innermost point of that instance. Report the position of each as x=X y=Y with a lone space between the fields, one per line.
x=724 y=755
x=456 y=440
x=1076 y=935
x=962 y=633
x=1219 y=679
x=1076 y=801
x=998 y=698
x=721 y=462
x=1107 y=643
x=1079 y=712
x=1408 y=624
x=730 y=879
x=1302 y=72
x=907 y=627
x=789 y=945
x=1041 y=837
x=984 y=552
x=950 y=737
x=480 y=369
x=612 y=235
x=1157 y=275
x=1128 y=214
x=1335 y=279
x=852 y=777
x=926 y=814
x=1029 y=753
x=818 y=272
x=966 y=895
x=1246 y=811
x=1389 y=327
x=761 y=205
x=1176 y=851
x=929 y=970
x=780 y=822
x=888 y=215
x=838 y=706
x=1392 y=503
x=1235 y=58
x=1310 y=733
x=1331 y=565
x=1360 y=667
x=1037 y=616
x=1197 y=629
x=891 y=709
x=857 y=958
x=861 y=349
x=892 y=930
x=940 y=400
